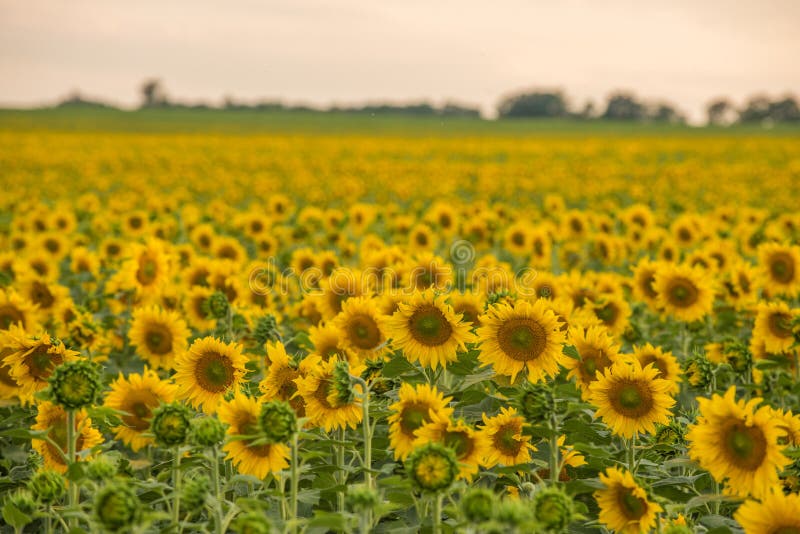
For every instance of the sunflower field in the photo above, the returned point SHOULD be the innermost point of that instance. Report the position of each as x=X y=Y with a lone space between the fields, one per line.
x=311 y=333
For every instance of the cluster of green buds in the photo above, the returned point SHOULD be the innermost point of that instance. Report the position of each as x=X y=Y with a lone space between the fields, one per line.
x=550 y=511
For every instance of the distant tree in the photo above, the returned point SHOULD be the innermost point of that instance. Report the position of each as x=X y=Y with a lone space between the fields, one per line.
x=533 y=104
x=624 y=106
x=588 y=111
x=153 y=94
x=720 y=111
x=757 y=109
x=784 y=110
x=665 y=112
x=451 y=109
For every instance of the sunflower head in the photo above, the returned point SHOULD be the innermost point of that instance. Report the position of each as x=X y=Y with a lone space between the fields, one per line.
x=217 y=305
x=266 y=330
x=47 y=486
x=278 y=421
x=101 y=468
x=535 y=402
x=76 y=384
x=207 y=432
x=478 y=505
x=342 y=384
x=361 y=498
x=553 y=510
x=116 y=506
x=170 y=424
x=432 y=467
x=251 y=523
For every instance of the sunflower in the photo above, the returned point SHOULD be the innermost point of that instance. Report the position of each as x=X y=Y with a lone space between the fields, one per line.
x=53 y=419
x=597 y=350
x=684 y=292
x=427 y=330
x=343 y=284
x=250 y=457
x=194 y=307
x=643 y=280
x=773 y=326
x=328 y=342
x=362 y=326
x=146 y=269
x=421 y=238
x=630 y=399
x=777 y=513
x=137 y=395
x=32 y=359
x=414 y=408
x=780 y=268
x=429 y=271
x=280 y=375
x=624 y=507
x=613 y=312
x=207 y=371
x=522 y=336
x=470 y=446
x=740 y=285
x=735 y=442
x=507 y=444
x=665 y=363
x=45 y=294
x=468 y=305
x=324 y=405
x=17 y=310
x=159 y=335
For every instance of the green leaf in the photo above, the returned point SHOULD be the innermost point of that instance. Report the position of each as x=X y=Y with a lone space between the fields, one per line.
x=14 y=516
x=571 y=351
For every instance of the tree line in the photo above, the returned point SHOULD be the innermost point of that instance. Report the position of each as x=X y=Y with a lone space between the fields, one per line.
x=535 y=103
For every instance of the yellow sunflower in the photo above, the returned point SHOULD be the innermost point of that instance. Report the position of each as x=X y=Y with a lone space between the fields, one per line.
x=194 y=307
x=54 y=419
x=666 y=364
x=328 y=342
x=146 y=269
x=683 y=291
x=522 y=336
x=207 y=371
x=324 y=404
x=777 y=513
x=507 y=444
x=779 y=266
x=46 y=295
x=159 y=335
x=624 y=506
x=739 y=444
x=362 y=325
x=773 y=326
x=470 y=446
x=414 y=408
x=32 y=359
x=630 y=399
x=427 y=330
x=469 y=306
x=137 y=395
x=17 y=310
x=613 y=312
x=241 y=415
x=597 y=350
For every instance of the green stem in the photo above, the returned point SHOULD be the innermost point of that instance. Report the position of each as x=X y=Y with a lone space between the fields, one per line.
x=632 y=455
x=437 y=513
x=340 y=466
x=176 y=486
x=554 y=452
x=215 y=480
x=74 y=491
x=48 y=520
x=295 y=482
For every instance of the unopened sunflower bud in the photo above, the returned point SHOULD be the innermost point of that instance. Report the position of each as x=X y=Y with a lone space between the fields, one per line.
x=478 y=505
x=170 y=424
x=432 y=467
x=217 y=305
x=207 y=432
x=251 y=523
x=266 y=330
x=76 y=384
x=553 y=510
x=362 y=498
x=101 y=468
x=47 y=486
x=116 y=506
x=514 y=513
x=195 y=491
x=278 y=421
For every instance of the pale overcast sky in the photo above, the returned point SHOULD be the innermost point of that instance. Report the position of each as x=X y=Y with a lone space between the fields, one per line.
x=350 y=51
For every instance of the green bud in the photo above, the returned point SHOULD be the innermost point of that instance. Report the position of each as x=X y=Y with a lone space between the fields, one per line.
x=207 y=432
x=536 y=403
x=266 y=330
x=361 y=498
x=170 y=424
x=432 y=467
x=76 y=384
x=678 y=529
x=195 y=491
x=47 y=486
x=251 y=523
x=101 y=468
x=513 y=512
x=18 y=509
x=217 y=305
x=278 y=421
x=116 y=506
x=342 y=382
x=553 y=510
x=478 y=505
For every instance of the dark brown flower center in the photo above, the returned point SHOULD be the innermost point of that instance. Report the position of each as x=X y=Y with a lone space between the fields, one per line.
x=682 y=292
x=745 y=446
x=632 y=506
x=158 y=339
x=214 y=372
x=522 y=339
x=780 y=325
x=413 y=416
x=429 y=326
x=631 y=399
x=363 y=332
x=504 y=440
x=781 y=267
